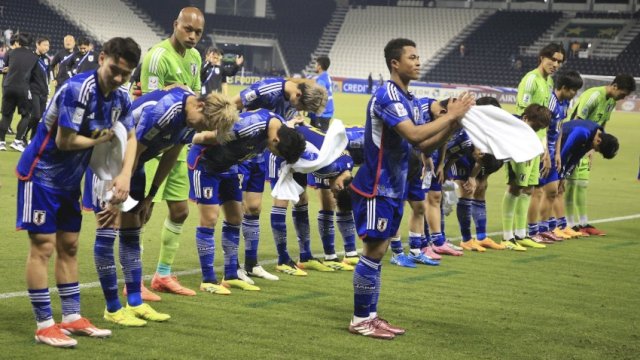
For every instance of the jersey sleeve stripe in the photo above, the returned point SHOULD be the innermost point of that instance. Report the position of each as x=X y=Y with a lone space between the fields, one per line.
x=155 y=59
x=169 y=114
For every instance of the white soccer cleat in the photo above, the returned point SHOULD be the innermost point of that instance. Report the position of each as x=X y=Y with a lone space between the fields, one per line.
x=259 y=271
x=242 y=275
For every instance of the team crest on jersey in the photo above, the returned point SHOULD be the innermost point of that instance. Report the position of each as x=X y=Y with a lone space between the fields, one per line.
x=526 y=98
x=115 y=114
x=207 y=192
x=382 y=223
x=194 y=69
x=90 y=58
x=39 y=217
x=78 y=115
x=216 y=70
x=250 y=96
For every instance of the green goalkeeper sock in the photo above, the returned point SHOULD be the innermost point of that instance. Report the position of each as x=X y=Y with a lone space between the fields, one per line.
x=581 y=201
x=520 y=216
x=508 y=209
x=569 y=202
x=170 y=238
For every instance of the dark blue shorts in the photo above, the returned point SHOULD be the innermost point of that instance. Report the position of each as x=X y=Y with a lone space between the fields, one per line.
x=42 y=210
x=414 y=191
x=214 y=189
x=252 y=175
x=376 y=218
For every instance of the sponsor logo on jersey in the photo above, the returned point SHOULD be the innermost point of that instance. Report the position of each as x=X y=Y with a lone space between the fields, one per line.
x=39 y=217
x=77 y=116
x=250 y=96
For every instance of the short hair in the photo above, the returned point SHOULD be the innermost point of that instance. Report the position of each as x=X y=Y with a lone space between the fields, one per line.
x=324 y=62
x=608 y=145
x=220 y=113
x=625 y=82
x=538 y=115
x=343 y=197
x=13 y=39
x=24 y=39
x=314 y=97
x=551 y=49
x=570 y=80
x=41 y=39
x=213 y=49
x=83 y=41
x=291 y=145
x=123 y=48
x=394 y=49
x=488 y=100
x=444 y=103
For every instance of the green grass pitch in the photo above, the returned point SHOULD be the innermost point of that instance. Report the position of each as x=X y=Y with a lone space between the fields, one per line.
x=575 y=300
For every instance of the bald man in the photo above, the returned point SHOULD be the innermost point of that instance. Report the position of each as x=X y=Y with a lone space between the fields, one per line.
x=58 y=68
x=174 y=61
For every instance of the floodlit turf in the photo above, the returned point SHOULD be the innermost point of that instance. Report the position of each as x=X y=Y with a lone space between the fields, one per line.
x=575 y=300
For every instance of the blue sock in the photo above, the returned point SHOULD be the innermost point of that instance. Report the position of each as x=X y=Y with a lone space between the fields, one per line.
x=552 y=223
x=279 y=230
x=347 y=229
x=415 y=240
x=364 y=285
x=131 y=264
x=438 y=239
x=230 y=242
x=376 y=294
x=41 y=304
x=327 y=231
x=532 y=229
x=396 y=245
x=251 y=234
x=479 y=213
x=70 y=298
x=463 y=211
x=543 y=226
x=206 y=245
x=303 y=231
x=562 y=222
x=106 y=267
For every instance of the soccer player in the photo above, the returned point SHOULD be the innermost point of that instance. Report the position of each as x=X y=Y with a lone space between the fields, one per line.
x=550 y=229
x=379 y=186
x=174 y=61
x=15 y=87
x=284 y=97
x=214 y=75
x=321 y=121
x=521 y=177
x=595 y=104
x=79 y=117
x=85 y=59
x=58 y=69
x=325 y=180
x=164 y=122
x=39 y=87
x=579 y=137
x=535 y=88
x=213 y=174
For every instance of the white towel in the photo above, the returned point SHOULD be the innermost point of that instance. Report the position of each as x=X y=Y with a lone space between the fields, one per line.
x=106 y=163
x=495 y=131
x=335 y=141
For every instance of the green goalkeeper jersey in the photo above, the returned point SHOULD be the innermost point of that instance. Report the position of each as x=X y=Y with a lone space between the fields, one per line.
x=533 y=89
x=593 y=105
x=163 y=66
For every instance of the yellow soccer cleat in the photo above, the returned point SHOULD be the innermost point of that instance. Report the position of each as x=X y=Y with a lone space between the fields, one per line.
x=123 y=317
x=561 y=234
x=290 y=269
x=337 y=265
x=489 y=243
x=472 y=245
x=527 y=242
x=145 y=311
x=569 y=231
x=351 y=260
x=214 y=289
x=513 y=245
x=314 y=264
x=239 y=284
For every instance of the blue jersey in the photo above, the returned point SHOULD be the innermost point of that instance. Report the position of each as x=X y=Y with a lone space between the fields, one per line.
x=248 y=139
x=316 y=138
x=159 y=118
x=324 y=80
x=577 y=141
x=355 y=134
x=386 y=153
x=78 y=106
x=425 y=106
x=459 y=146
x=268 y=94
x=558 y=113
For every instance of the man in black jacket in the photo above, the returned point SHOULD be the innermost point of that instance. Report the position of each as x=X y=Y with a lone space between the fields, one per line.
x=59 y=71
x=20 y=62
x=214 y=73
